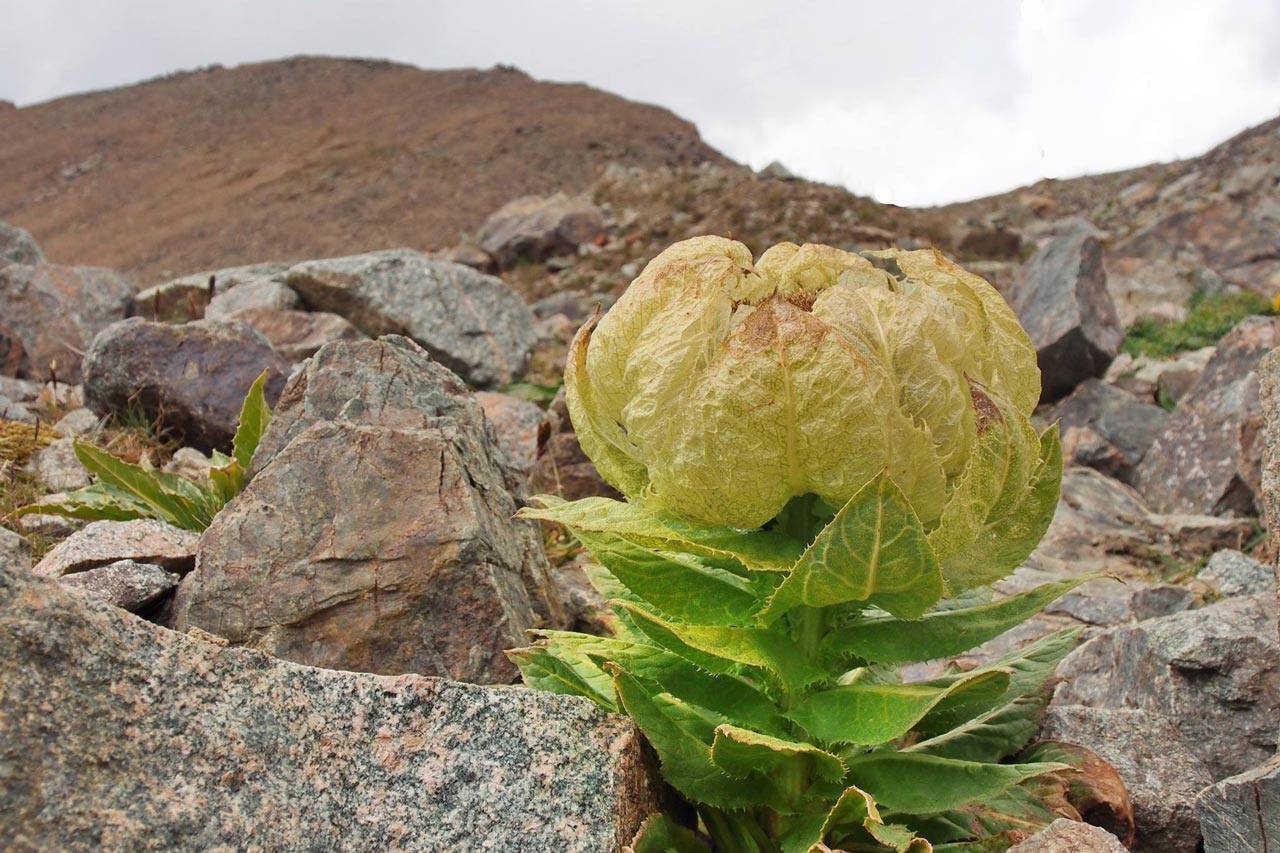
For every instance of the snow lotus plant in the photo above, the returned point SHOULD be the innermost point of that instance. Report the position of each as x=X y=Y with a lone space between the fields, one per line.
x=827 y=458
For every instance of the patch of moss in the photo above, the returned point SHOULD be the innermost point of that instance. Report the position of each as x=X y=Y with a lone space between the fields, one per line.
x=1208 y=319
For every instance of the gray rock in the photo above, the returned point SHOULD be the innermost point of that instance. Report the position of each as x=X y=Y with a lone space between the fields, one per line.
x=192 y=378
x=104 y=542
x=1214 y=673
x=17 y=246
x=472 y=323
x=1232 y=573
x=1126 y=425
x=1208 y=458
x=576 y=305
x=15 y=551
x=1241 y=814
x=516 y=423
x=297 y=335
x=256 y=294
x=55 y=527
x=185 y=299
x=340 y=554
x=190 y=463
x=1269 y=481
x=121 y=735
x=1064 y=305
x=533 y=228
x=55 y=312
x=1069 y=836
x=127 y=584
x=1162 y=776
x=77 y=422
x=13 y=411
x=57 y=468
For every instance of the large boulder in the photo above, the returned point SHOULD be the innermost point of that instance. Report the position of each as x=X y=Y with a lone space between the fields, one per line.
x=191 y=378
x=120 y=735
x=1064 y=305
x=472 y=323
x=55 y=312
x=17 y=246
x=1241 y=814
x=534 y=228
x=376 y=533
x=1107 y=428
x=1208 y=457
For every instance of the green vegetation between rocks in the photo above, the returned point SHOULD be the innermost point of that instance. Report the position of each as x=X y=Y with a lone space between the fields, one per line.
x=1208 y=319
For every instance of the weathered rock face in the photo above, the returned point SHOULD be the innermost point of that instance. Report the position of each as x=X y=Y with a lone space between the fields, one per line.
x=55 y=312
x=193 y=378
x=103 y=542
x=188 y=298
x=1214 y=673
x=1269 y=401
x=1064 y=306
x=127 y=584
x=297 y=335
x=120 y=735
x=17 y=246
x=472 y=323
x=1208 y=458
x=261 y=293
x=1241 y=814
x=15 y=551
x=533 y=228
x=1125 y=425
x=1232 y=573
x=340 y=554
x=516 y=423
x=1069 y=836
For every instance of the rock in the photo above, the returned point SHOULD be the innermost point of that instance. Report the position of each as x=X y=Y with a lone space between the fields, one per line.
x=13 y=358
x=55 y=312
x=77 y=422
x=1105 y=602
x=339 y=554
x=1208 y=457
x=1126 y=426
x=1232 y=573
x=533 y=228
x=17 y=246
x=121 y=735
x=1064 y=305
x=575 y=305
x=57 y=468
x=257 y=294
x=1268 y=372
x=11 y=411
x=188 y=298
x=297 y=335
x=990 y=241
x=190 y=463
x=561 y=467
x=54 y=527
x=1241 y=814
x=779 y=172
x=1160 y=773
x=472 y=323
x=126 y=584
x=103 y=542
x=1070 y=836
x=469 y=255
x=15 y=551
x=516 y=422
x=192 y=378
x=1214 y=673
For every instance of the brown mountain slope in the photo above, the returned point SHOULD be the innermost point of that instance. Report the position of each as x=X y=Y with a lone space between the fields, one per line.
x=305 y=158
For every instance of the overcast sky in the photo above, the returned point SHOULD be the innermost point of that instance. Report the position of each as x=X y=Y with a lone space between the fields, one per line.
x=912 y=101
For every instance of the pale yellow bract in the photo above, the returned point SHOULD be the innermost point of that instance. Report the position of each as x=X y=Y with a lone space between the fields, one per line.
x=717 y=389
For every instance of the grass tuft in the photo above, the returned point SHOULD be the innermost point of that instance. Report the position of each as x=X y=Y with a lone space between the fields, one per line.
x=1208 y=319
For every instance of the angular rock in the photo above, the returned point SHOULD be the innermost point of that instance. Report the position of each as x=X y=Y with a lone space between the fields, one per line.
x=103 y=542
x=340 y=554
x=57 y=468
x=1064 y=306
x=533 y=228
x=77 y=422
x=1241 y=814
x=516 y=422
x=120 y=735
x=297 y=335
x=264 y=293
x=15 y=551
x=1269 y=481
x=1163 y=777
x=13 y=358
x=1126 y=425
x=55 y=312
x=562 y=467
x=472 y=323
x=1208 y=458
x=17 y=246
x=126 y=584
x=1070 y=836
x=1232 y=573
x=190 y=463
x=185 y=299
x=192 y=378
x=1214 y=673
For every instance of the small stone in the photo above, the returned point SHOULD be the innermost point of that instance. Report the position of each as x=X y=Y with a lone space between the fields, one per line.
x=1233 y=573
x=104 y=542
x=533 y=228
x=17 y=246
x=127 y=584
x=57 y=468
x=190 y=463
x=77 y=422
x=15 y=551
x=1069 y=836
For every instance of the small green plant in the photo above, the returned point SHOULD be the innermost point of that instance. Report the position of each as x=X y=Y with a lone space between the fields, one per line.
x=124 y=491
x=1208 y=319
x=828 y=459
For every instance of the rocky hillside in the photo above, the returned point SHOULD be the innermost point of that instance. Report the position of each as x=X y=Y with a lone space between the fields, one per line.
x=307 y=158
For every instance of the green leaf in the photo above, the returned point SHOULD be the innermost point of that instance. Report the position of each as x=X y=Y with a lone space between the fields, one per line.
x=661 y=834
x=171 y=498
x=756 y=647
x=98 y=502
x=852 y=808
x=754 y=549
x=972 y=696
x=939 y=635
x=916 y=783
x=255 y=416
x=872 y=714
x=549 y=668
x=679 y=585
x=873 y=550
x=741 y=752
